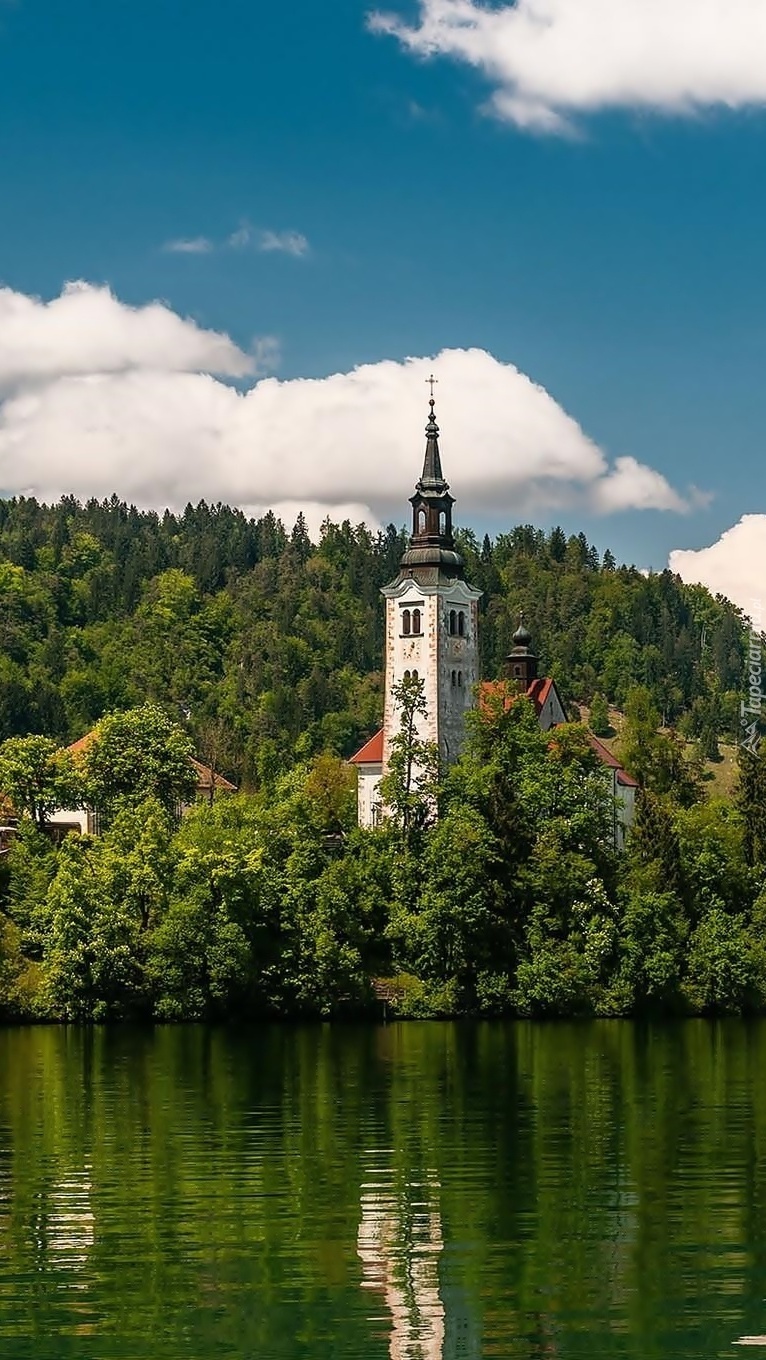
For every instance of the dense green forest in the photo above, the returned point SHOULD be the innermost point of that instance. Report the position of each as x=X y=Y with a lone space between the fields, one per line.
x=261 y=651
x=269 y=647
x=511 y=901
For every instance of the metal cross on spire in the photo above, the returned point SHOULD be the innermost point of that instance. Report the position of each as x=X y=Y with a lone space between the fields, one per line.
x=432 y=381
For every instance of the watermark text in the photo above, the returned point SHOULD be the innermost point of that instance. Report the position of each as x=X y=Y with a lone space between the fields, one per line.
x=750 y=707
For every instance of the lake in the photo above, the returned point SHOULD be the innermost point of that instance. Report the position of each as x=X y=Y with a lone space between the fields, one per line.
x=418 y=1191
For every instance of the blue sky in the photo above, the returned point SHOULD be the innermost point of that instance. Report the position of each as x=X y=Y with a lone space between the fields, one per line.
x=620 y=266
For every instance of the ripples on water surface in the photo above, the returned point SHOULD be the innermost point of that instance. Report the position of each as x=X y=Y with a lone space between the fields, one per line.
x=420 y=1192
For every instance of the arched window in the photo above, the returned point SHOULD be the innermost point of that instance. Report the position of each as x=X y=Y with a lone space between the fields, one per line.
x=415 y=675
x=454 y=679
x=406 y=622
x=416 y=621
x=406 y=675
x=452 y=622
x=442 y=523
x=517 y=672
x=461 y=624
x=421 y=521
x=460 y=679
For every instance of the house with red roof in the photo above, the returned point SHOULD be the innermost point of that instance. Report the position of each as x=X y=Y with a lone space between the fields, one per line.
x=624 y=791
x=85 y=820
x=369 y=766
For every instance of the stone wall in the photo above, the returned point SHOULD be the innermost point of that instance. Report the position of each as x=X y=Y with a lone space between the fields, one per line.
x=447 y=664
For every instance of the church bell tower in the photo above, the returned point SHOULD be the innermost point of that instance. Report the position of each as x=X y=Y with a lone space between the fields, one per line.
x=521 y=662
x=432 y=615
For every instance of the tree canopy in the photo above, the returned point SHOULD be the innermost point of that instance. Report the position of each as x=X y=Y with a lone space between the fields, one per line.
x=512 y=901
x=134 y=756
x=38 y=777
x=260 y=650
x=269 y=647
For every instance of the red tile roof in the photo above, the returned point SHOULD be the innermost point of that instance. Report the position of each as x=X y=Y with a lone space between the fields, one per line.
x=607 y=758
x=371 y=753
x=82 y=743
x=627 y=780
x=207 y=778
x=538 y=691
x=489 y=688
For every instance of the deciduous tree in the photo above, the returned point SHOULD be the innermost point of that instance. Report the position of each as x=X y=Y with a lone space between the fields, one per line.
x=137 y=755
x=409 y=788
x=38 y=777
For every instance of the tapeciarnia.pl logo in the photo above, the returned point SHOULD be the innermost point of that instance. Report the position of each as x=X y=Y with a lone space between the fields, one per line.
x=750 y=708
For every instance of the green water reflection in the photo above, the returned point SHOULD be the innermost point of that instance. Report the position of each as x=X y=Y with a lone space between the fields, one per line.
x=419 y=1192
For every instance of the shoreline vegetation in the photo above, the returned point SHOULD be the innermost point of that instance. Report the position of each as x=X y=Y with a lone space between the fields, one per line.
x=259 y=651
x=510 y=901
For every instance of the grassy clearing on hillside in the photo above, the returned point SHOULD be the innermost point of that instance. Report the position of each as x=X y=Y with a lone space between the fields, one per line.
x=720 y=776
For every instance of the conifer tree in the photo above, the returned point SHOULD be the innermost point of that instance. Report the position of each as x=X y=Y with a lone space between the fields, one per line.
x=654 y=841
x=599 y=716
x=751 y=800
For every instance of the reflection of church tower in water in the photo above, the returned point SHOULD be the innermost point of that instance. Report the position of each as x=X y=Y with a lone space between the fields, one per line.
x=401 y=1245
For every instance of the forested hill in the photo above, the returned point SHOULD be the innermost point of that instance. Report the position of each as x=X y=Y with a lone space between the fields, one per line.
x=271 y=646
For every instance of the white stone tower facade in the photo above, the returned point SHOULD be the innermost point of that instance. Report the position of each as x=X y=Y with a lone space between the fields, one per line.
x=432 y=622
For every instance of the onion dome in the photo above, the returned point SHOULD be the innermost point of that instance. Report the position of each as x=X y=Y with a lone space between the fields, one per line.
x=522 y=637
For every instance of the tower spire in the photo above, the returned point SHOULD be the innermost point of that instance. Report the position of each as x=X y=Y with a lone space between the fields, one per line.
x=432 y=503
x=431 y=555
x=432 y=463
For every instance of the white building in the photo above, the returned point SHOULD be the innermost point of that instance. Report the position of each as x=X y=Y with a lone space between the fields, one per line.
x=85 y=820
x=624 y=789
x=432 y=633
x=432 y=616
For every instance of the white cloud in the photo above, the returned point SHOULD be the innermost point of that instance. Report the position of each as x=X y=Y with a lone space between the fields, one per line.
x=734 y=566
x=88 y=330
x=551 y=60
x=315 y=513
x=288 y=242
x=240 y=238
x=193 y=245
x=632 y=485
x=267 y=354
x=102 y=397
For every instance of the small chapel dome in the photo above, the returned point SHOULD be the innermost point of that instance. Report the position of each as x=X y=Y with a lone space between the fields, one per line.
x=521 y=662
x=522 y=637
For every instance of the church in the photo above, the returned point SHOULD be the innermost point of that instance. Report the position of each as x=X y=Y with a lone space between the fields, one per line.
x=432 y=633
